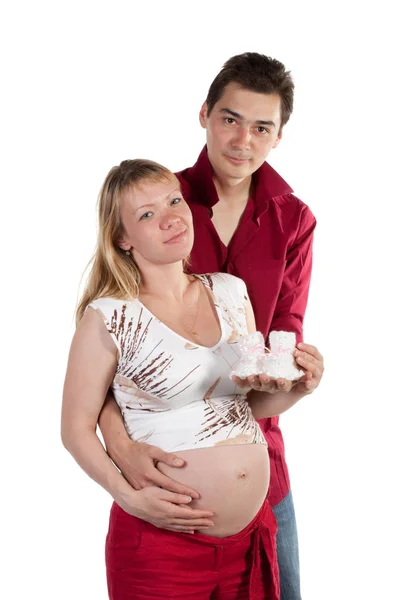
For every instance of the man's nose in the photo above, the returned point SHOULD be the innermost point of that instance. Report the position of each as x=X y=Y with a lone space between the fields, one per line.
x=242 y=137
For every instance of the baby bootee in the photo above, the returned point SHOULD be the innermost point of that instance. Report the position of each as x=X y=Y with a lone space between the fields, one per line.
x=278 y=362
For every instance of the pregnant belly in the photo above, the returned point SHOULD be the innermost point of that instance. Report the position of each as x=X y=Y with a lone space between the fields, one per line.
x=232 y=482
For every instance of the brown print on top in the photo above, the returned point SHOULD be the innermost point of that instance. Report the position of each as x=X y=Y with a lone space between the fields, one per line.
x=149 y=374
x=236 y=414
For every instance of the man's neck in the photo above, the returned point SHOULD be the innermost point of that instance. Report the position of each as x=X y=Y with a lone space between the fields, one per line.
x=234 y=192
x=233 y=195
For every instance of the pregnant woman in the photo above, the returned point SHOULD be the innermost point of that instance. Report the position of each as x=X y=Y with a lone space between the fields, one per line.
x=165 y=342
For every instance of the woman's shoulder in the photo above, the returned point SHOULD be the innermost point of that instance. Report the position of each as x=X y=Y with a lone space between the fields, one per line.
x=114 y=308
x=122 y=317
x=109 y=302
x=225 y=284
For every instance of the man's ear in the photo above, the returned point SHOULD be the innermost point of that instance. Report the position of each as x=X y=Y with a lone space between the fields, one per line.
x=203 y=115
x=278 y=139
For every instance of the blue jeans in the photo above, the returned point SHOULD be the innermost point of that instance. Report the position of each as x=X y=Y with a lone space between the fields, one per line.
x=288 y=549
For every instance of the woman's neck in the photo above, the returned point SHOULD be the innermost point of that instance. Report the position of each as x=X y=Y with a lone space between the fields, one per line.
x=164 y=281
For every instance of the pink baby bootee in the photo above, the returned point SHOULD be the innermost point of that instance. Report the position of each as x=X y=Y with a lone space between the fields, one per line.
x=276 y=363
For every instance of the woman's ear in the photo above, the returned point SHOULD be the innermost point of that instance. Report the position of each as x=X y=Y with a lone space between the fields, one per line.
x=125 y=246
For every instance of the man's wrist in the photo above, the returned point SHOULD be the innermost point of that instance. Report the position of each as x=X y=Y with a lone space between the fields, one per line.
x=118 y=446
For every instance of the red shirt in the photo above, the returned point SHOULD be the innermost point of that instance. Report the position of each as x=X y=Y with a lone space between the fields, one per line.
x=271 y=250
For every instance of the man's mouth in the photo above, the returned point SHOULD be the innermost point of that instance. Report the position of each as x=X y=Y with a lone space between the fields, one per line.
x=238 y=160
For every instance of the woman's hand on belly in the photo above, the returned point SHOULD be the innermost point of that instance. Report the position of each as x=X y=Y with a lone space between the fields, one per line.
x=166 y=510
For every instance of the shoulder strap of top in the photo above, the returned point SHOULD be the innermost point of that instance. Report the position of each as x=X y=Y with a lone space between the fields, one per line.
x=231 y=288
x=116 y=315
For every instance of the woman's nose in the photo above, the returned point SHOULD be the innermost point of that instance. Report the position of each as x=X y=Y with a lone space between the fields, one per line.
x=169 y=220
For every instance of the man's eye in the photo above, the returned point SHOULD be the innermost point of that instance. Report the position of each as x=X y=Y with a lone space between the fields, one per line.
x=262 y=130
x=176 y=200
x=229 y=120
x=145 y=216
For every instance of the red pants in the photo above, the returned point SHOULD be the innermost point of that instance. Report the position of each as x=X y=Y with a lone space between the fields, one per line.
x=147 y=563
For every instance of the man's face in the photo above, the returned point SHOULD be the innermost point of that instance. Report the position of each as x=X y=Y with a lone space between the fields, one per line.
x=241 y=130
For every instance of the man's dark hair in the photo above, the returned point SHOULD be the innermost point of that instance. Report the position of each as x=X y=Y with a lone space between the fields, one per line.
x=257 y=73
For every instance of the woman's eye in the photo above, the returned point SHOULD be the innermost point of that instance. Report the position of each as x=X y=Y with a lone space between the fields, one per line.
x=176 y=200
x=145 y=216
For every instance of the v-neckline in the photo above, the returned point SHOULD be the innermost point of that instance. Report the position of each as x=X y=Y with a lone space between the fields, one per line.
x=229 y=249
x=203 y=280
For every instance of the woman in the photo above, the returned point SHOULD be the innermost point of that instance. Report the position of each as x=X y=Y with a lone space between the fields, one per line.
x=165 y=342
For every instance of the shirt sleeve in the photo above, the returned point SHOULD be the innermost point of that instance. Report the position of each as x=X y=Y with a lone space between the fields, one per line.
x=292 y=300
x=105 y=307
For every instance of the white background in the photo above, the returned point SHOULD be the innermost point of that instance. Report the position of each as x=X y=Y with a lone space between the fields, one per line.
x=88 y=84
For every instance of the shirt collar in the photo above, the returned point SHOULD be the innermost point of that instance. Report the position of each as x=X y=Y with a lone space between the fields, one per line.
x=268 y=183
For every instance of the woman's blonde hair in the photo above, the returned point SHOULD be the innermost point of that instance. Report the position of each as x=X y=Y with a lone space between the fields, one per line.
x=113 y=273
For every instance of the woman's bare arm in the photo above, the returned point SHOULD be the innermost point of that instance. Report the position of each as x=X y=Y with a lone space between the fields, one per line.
x=91 y=367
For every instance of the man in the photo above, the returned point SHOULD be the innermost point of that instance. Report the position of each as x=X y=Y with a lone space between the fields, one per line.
x=248 y=223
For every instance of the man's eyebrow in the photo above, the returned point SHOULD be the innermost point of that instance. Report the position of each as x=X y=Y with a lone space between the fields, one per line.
x=231 y=112
x=240 y=117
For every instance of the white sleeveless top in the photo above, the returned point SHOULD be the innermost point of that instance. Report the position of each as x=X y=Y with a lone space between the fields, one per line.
x=172 y=392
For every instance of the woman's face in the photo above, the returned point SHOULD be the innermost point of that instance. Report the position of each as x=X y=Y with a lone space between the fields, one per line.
x=157 y=223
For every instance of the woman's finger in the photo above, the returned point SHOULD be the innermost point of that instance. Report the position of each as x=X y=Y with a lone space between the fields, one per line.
x=182 y=528
x=191 y=523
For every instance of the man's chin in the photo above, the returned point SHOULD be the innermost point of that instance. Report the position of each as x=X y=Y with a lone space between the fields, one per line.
x=238 y=172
